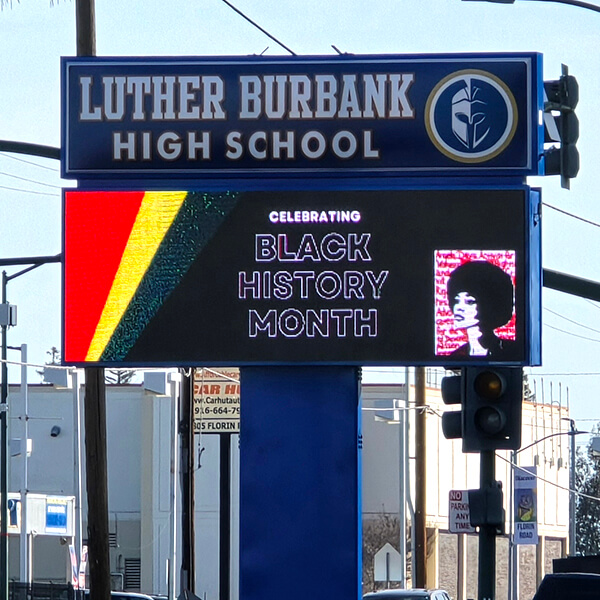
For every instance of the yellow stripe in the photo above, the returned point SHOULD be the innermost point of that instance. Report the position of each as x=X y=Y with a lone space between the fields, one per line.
x=156 y=214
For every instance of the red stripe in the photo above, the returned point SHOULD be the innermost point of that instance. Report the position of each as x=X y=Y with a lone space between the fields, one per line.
x=97 y=227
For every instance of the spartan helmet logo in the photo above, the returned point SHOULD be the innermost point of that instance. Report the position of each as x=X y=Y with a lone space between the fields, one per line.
x=469 y=118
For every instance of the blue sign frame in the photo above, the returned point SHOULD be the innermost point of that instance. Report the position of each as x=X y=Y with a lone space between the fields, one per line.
x=290 y=277
x=464 y=115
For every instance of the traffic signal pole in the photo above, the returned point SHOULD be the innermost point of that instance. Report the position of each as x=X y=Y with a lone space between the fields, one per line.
x=489 y=420
x=487 y=533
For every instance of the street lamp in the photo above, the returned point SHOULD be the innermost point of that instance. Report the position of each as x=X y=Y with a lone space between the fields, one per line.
x=512 y=558
x=570 y=2
x=400 y=418
x=7 y=319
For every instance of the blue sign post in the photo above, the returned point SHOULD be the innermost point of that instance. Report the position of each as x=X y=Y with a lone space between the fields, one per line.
x=300 y=489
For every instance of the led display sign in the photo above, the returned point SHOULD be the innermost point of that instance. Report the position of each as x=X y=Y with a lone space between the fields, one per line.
x=301 y=277
x=388 y=115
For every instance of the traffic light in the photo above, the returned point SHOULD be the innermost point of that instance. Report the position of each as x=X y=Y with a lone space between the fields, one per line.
x=492 y=408
x=452 y=393
x=562 y=126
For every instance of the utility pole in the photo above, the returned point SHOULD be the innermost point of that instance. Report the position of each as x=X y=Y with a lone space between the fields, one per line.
x=95 y=399
x=224 y=515
x=4 y=454
x=85 y=23
x=96 y=483
x=572 y=495
x=420 y=542
x=186 y=435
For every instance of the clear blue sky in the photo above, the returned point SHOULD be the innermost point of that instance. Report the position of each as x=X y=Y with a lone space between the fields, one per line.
x=34 y=35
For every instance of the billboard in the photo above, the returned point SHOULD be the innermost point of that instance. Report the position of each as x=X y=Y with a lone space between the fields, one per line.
x=301 y=277
x=251 y=117
x=217 y=400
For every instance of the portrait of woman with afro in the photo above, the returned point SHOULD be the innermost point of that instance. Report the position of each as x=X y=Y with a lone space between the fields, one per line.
x=481 y=297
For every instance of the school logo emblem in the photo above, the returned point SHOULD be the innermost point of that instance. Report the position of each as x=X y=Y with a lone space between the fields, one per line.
x=471 y=116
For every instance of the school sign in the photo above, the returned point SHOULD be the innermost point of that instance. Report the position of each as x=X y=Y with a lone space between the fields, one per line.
x=422 y=115
x=283 y=213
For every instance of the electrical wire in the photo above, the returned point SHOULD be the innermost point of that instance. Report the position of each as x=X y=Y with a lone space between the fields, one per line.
x=583 y=337
x=572 y=321
x=552 y=483
x=563 y=375
x=239 y=12
x=564 y=212
x=218 y=374
x=594 y=304
x=437 y=413
x=12 y=189
x=57 y=187
x=29 y=162
x=429 y=409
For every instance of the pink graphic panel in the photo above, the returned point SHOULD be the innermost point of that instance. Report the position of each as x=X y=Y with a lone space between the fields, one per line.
x=447 y=338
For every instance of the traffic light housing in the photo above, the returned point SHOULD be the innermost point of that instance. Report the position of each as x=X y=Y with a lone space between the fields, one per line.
x=562 y=96
x=492 y=405
x=453 y=393
x=486 y=507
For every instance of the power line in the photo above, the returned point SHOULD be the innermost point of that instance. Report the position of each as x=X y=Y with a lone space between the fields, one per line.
x=57 y=187
x=583 y=337
x=594 y=304
x=564 y=212
x=566 y=374
x=572 y=321
x=12 y=189
x=239 y=12
x=29 y=162
x=552 y=483
x=539 y=477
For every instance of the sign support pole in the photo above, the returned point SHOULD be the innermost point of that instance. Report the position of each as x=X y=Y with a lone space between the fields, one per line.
x=300 y=483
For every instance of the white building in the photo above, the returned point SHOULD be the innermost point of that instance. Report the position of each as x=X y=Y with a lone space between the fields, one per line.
x=139 y=446
x=447 y=468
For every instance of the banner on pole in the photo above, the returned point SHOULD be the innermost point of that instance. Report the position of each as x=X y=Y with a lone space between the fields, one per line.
x=525 y=486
